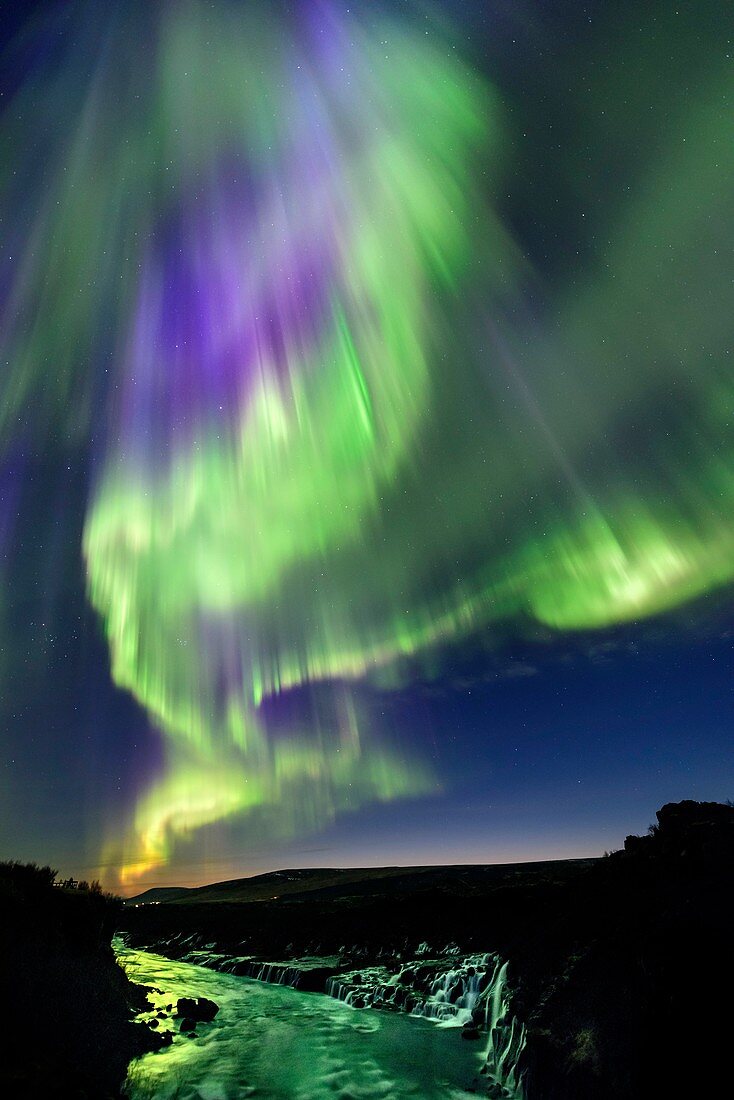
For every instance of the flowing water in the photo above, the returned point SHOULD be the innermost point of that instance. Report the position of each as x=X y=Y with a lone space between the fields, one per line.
x=271 y=1041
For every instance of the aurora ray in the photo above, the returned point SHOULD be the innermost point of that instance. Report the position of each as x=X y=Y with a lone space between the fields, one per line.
x=274 y=381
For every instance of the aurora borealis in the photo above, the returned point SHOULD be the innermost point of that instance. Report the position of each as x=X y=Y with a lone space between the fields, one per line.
x=277 y=287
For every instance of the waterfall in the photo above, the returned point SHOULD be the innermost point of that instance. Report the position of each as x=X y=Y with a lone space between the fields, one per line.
x=506 y=1037
x=465 y=993
x=338 y=990
x=455 y=993
x=276 y=973
x=448 y=994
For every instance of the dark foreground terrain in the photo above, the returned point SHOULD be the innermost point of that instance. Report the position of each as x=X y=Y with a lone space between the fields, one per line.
x=65 y=1004
x=622 y=968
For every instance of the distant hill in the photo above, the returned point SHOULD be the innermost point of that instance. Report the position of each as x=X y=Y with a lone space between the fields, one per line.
x=158 y=894
x=292 y=883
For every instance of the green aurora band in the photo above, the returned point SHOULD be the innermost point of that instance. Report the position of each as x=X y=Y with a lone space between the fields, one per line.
x=394 y=461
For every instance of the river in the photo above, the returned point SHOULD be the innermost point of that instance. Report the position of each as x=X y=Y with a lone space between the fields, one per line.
x=271 y=1041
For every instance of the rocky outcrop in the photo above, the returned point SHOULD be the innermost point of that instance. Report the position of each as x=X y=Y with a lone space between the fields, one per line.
x=701 y=832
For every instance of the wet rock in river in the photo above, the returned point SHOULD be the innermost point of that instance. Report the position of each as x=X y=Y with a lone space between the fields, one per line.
x=197 y=1008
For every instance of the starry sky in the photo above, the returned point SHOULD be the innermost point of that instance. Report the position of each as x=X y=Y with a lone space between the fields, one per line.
x=366 y=451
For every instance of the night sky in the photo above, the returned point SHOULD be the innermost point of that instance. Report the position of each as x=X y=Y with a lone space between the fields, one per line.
x=366 y=431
